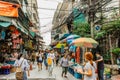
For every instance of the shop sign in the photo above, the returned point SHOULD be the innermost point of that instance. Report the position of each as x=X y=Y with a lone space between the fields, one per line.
x=8 y=9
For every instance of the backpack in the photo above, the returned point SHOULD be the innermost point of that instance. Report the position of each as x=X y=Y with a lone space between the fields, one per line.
x=49 y=61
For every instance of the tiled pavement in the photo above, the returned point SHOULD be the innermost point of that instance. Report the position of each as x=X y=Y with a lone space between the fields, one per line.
x=41 y=75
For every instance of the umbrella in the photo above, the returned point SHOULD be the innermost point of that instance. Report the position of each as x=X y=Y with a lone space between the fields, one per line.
x=60 y=45
x=72 y=37
x=85 y=42
x=64 y=36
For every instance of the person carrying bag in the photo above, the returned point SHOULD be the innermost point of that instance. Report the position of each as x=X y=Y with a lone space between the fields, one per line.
x=21 y=68
x=19 y=72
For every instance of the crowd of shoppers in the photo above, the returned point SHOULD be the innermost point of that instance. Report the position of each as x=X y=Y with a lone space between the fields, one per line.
x=92 y=70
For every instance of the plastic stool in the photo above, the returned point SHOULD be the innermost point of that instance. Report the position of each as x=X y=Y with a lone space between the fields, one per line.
x=6 y=71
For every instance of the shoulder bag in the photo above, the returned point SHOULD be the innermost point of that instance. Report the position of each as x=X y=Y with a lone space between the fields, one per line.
x=19 y=72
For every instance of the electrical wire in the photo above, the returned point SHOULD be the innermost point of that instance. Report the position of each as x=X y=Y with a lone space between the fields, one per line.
x=46 y=8
x=50 y=8
x=53 y=1
x=46 y=18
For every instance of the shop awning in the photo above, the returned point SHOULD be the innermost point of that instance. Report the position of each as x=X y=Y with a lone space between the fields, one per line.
x=32 y=33
x=63 y=36
x=23 y=29
x=5 y=24
x=12 y=22
x=7 y=19
x=20 y=27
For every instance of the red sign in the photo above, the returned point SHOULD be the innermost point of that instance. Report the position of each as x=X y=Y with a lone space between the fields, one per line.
x=8 y=9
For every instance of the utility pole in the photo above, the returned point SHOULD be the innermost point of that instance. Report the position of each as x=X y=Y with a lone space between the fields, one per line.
x=91 y=16
x=119 y=7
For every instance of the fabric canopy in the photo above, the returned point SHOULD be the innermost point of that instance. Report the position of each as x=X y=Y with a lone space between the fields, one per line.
x=60 y=45
x=5 y=24
x=22 y=29
x=73 y=36
x=32 y=33
x=64 y=36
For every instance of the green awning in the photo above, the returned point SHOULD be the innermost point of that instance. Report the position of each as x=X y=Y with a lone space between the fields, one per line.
x=5 y=24
x=22 y=29
x=32 y=33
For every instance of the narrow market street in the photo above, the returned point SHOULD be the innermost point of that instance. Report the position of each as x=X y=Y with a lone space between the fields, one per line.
x=59 y=39
x=41 y=75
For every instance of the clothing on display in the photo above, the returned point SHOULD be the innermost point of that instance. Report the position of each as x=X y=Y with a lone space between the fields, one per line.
x=3 y=34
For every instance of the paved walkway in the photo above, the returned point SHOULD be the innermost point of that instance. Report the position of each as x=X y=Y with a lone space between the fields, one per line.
x=41 y=75
x=117 y=77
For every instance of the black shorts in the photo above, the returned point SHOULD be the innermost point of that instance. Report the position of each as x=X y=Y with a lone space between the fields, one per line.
x=40 y=61
x=33 y=60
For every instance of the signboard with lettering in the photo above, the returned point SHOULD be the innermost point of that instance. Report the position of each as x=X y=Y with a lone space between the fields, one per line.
x=8 y=9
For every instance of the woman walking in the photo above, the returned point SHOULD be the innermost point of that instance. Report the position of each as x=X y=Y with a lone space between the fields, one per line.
x=64 y=63
x=50 y=62
x=40 y=60
x=22 y=62
x=89 y=68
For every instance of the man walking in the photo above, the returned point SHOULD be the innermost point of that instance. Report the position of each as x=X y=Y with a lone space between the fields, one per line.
x=100 y=66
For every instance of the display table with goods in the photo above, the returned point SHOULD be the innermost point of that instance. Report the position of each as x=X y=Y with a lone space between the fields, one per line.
x=107 y=73
x=5 y=69
x=113 y=68
x=72 y=71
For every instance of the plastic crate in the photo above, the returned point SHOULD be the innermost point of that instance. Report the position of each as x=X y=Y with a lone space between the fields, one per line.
x=108 y=76
x=6 y=71
x=71 y=71
x=77 y=75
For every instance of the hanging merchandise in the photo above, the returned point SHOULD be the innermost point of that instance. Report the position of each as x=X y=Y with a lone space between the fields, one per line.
x=8 y=35
x=9 y=43
x=72 y=48
x=17 y=42
x=20 y=41
x=3 y=34
x=12 y=28
x=28 y=44
x=15 y=34
x=62 y=49
x=77 y=59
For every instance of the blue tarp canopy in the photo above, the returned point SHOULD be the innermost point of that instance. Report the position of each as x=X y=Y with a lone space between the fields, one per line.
x=64 y=36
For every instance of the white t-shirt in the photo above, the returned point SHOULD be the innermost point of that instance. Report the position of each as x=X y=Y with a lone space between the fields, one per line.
x=51 y=55
x=23 y=62
x=40 y=56
x=93 y=68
